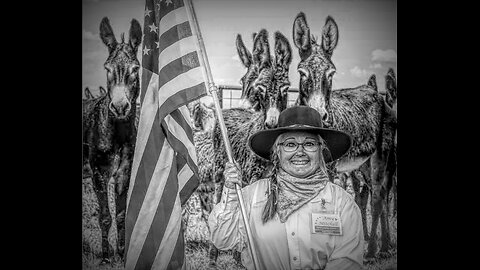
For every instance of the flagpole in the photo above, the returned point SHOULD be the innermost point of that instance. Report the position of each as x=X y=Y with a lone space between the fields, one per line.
x=213 y=90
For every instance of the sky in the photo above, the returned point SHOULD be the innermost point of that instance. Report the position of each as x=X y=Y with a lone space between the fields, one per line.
x=367 y=35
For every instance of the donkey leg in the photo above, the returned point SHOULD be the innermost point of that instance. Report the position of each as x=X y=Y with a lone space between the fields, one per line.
x=121 y=207
x=386 y=187
x=359 y=202
x=212 y=254
x=100 y=182
x=394 y=190
x=378 y=170
x=363 y=209
x=237 y=256
x=385 y=247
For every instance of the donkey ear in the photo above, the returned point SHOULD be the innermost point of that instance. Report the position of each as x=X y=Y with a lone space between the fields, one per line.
x=88 y=94
x=283 y=51
x=301 y=35
x=243 y=53
x=372 y=82
x=135 y=34
x=329 y=36
x=103 y=92
x=254 y=34
x=261 y=49
x=391 y=85
x=106 y=34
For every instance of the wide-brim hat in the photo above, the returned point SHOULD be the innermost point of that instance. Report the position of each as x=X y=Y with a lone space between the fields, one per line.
x=301 y=118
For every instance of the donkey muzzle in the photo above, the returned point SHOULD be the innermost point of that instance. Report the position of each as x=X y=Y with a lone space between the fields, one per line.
x=271 y=119
x=120 y=105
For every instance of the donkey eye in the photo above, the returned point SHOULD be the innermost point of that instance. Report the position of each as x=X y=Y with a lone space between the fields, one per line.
x=284 y=88
x=108 y=69
x=330 y=74
x=303 y=73
x=134 y=69
x=261 y=88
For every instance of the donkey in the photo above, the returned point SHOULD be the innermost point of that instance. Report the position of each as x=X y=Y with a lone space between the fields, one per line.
x=382 y=186
x=265 y=85
x=256 y=80
x=361 y=111
x=109 y=129
x=87 y=170
x=265 y=88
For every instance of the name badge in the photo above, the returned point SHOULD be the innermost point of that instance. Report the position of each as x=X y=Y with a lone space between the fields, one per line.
x=326 y=223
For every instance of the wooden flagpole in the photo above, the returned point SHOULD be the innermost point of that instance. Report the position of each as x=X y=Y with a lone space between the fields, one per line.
x=213 y=90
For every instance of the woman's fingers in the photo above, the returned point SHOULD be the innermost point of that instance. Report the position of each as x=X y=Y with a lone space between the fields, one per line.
x=232 y=175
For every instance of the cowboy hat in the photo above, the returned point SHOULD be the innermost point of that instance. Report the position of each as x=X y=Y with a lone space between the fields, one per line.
x=301 y=118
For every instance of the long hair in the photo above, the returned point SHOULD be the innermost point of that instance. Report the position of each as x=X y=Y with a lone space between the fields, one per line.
x=270 y=207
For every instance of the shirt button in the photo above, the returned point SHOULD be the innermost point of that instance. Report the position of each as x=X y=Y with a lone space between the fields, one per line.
x=294 y=258
x=293 y=233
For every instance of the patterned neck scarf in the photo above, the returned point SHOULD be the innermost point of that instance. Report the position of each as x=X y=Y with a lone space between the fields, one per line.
x=294 y=192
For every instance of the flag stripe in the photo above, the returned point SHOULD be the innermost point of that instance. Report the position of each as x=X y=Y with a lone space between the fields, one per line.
x=148 y=115
x=147 y=169
x=146 y=81
x=163 y=212
x=164 y=172
x=181 y=161
x=170 y=236
x=183 y=123
x=171 y=97
x=171 y=19
x=177 y=259
x=186 y=114
x=184 y=175
x=176 y=67
x=190 y=185
x=174 y=51
x=180 y=140
x=144 y=218
x=174 y=34
x=193 y=181
x=167 y=8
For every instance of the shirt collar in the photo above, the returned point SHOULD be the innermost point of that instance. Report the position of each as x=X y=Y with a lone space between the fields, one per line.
x=325 y=193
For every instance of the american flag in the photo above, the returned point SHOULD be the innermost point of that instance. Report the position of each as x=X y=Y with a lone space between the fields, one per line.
x=164 y=172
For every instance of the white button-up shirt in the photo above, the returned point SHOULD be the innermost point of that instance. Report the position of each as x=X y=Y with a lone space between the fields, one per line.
x=289 y=245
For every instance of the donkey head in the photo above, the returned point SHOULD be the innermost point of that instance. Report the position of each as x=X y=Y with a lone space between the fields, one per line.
x=122 y=68
x=391 y=86
x=315 y=67
x=203 y=116
x=265 y=85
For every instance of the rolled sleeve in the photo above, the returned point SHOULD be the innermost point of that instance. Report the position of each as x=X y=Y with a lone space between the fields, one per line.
x=348 y=248
x=225 y=222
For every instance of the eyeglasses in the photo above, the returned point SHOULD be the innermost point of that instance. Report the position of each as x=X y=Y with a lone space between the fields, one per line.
x=290 y=146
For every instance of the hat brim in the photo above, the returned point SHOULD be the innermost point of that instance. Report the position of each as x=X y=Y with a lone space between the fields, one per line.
x=338 y=142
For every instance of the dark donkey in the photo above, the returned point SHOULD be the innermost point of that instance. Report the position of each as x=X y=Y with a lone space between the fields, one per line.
x=361 y=111
x=109 y=130
x=265 y=87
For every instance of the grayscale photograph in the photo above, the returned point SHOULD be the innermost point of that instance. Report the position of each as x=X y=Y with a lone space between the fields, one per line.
x=239 y=134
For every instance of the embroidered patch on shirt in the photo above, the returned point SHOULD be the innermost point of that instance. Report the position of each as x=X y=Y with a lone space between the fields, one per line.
x=326 y=223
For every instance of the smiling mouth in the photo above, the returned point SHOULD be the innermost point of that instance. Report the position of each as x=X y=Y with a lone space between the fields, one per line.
x=299 y=162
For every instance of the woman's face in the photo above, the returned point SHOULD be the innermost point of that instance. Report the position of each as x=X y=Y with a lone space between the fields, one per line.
x=299 y=163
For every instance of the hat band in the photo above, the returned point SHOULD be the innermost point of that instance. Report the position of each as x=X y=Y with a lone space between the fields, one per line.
x=301 y=126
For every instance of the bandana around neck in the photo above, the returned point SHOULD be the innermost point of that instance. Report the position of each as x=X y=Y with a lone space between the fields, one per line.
x=294 y=192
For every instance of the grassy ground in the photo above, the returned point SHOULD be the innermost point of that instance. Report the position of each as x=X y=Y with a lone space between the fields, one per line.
x=196 y=232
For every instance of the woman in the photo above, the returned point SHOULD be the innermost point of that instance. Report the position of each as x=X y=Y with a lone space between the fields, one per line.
x=298 y=218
